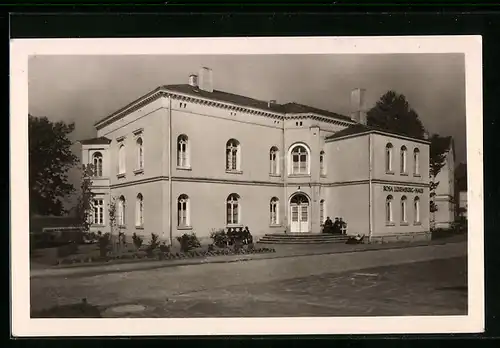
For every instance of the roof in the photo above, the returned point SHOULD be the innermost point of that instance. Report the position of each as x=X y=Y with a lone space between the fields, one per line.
x=359 y=129
x=96 y=141
x=291 y=108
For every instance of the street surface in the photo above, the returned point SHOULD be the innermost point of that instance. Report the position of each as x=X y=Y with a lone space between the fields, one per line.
x=428 y=280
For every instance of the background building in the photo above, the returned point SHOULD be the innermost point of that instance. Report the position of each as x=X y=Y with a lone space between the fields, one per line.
x=445 y=192
x=191 y=158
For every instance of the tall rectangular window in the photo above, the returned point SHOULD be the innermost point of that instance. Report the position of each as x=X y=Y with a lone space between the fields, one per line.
x=98 y=212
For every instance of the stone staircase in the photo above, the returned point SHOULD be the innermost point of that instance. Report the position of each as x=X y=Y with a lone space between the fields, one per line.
x=302 y=238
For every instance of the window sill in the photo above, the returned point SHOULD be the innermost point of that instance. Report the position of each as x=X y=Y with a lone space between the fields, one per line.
x=389 y=172
x=98 y=225
x=139 y=227
x=274 y=175
x=417 y=223
x=139 y=171
x=274 y=226
x=417 y=175
x=403 y=174
x=323 y=175
x=121 y=226
x=184 y=228
x=183 y=168
x=234 y=226
x=120 y=176
x=404 y=224
x=234 y=171
x=391 y=224
x=299 y=175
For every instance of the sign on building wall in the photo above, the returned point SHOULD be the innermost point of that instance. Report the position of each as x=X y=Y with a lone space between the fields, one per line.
x=405 y=189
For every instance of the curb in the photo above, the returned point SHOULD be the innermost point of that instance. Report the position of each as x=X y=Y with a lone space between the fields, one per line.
x=150 y=265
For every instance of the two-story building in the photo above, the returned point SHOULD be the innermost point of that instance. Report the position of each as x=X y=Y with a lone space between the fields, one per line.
x=189 y=158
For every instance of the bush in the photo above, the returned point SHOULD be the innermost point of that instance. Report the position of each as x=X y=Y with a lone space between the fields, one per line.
x=164 y=248
x=220 y=238
x=137 y=240
x=66 y=250
x=154 y=244
x=188 y=242
x=104 y=244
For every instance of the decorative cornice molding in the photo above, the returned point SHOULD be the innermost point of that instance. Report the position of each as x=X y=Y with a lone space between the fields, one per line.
x=163 y=92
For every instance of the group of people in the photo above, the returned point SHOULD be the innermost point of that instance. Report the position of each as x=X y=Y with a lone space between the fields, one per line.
x=337 y=227
x=239 y=234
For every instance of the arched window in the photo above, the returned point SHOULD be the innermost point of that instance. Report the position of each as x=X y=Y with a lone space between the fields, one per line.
x=121 y=159
x=403 y=209
x=403 y=159
x=139 y=211
x=416 y=160
x=97 y=161
x=274 y=211
x=233 y=209
x=182 y=151
x=322 y=165
x=121 y=211
x=388 y=209
x=140 y=154
x=183 y=216
x=274 y=160
x=388 y=157
x=322 y=212
x=299 y=160
x=416 y=210
x=233 y=155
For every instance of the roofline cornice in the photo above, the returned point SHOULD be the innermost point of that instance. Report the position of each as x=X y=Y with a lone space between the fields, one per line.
x=165 y=92
x=422 y=141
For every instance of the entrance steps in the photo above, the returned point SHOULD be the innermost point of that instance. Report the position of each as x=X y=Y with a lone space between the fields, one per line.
x=302 y=238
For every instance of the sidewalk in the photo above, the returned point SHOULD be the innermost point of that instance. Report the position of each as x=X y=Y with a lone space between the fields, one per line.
x=282 y=251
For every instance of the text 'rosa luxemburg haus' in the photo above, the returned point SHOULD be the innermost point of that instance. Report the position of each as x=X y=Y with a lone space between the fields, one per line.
x=188 y=158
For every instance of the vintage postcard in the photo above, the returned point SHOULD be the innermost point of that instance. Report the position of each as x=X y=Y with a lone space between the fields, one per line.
x=229 y=186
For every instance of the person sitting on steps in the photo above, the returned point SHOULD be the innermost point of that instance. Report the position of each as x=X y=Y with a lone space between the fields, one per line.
x=327 y=227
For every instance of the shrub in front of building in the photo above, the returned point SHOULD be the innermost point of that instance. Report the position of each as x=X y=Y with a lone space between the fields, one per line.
x=188 y=242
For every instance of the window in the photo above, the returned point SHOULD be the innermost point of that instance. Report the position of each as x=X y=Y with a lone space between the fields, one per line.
x=274 y=211
x=98 y=212
x=233 y=155
x=274 y=160
x=233 y=209
x=183 y=211
x=182 y=151
x=299 y=158
x=121 y=211
x=416 y=160
x=139 y=211
x=140 y=154
x=403 y=159
x=403 y=209
x=121 y=159
x=388 y=157
x=97 y=161
x=388 y=209
x=322 y=212
x=416 y=210
x=322 y=166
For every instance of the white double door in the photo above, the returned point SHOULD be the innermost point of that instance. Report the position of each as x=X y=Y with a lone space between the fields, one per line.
x=299 y=214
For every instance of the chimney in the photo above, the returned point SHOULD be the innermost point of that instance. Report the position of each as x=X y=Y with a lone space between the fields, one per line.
x=205 y=80
x=358 y=107
x=193 y=80
x=271 y=102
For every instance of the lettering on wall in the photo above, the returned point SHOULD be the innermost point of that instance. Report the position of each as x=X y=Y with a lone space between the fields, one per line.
x=404 y=189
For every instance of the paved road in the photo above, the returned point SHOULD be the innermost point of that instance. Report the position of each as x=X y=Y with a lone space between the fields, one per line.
x=306 y=285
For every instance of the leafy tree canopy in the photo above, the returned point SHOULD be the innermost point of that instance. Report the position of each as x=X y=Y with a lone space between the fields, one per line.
x=50 y=158
x=393 y=113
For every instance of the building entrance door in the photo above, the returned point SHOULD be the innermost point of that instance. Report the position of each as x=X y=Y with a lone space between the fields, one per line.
x=299 y=213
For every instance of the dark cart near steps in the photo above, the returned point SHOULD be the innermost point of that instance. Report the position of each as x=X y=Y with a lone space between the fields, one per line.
x=355 y=239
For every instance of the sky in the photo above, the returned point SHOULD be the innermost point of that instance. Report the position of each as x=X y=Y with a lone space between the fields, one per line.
x=85 y=89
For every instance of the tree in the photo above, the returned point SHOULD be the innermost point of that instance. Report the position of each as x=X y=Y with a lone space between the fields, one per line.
x=50 y=159
x=393 y=113
x=85 y=205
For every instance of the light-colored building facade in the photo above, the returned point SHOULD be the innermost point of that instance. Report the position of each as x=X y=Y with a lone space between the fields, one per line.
x=188 y=158
x=445 y=191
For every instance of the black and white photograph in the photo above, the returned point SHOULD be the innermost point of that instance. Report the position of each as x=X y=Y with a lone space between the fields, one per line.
x=256 y=186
